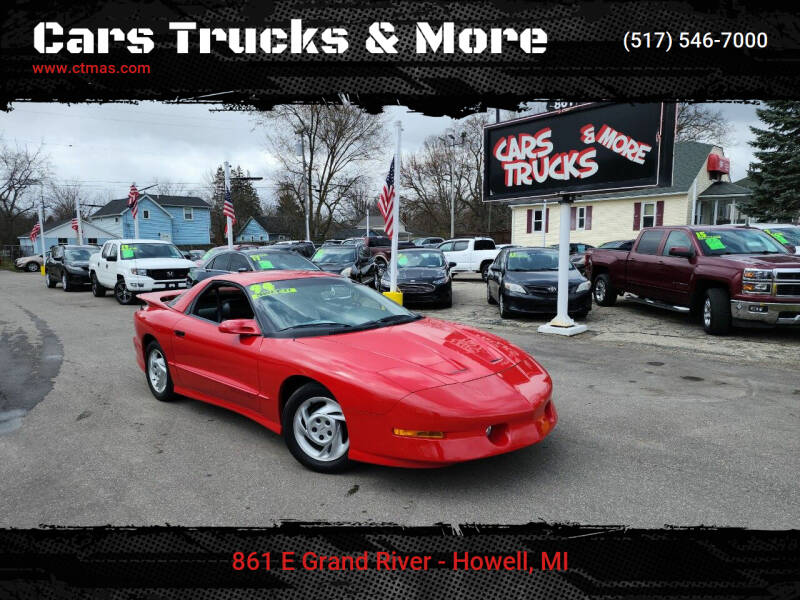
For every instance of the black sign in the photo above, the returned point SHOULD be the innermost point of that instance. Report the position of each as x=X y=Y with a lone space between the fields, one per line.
x=590 y=148
x=560 y=104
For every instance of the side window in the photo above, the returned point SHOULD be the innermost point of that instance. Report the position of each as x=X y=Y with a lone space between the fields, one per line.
x=459 y=246
x=110 y=251
x=207 y=305
x=446 y=247
x=676 y=238
x=92 y=241
x=222 y=261
x=649 y=242
x=484 y=245
x=233 y=304
x=237 y=262
x=499 y=260
x=104 y=251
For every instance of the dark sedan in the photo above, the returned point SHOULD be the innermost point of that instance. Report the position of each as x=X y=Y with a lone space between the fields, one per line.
x=525 y=281
x=353 y=260
x=423 y=275
x=68 y=265
x=252 y=259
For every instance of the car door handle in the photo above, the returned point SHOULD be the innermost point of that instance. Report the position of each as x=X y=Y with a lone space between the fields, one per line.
x=180 y=333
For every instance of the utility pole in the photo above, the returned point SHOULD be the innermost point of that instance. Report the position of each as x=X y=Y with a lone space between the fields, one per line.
x=301 y=151
x=453 y=145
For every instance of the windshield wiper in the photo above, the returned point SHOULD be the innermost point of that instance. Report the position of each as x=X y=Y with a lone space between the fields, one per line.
x=319 y=324
x=394 y=319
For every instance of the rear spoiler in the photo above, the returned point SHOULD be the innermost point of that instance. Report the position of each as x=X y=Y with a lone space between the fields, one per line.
x=160 y=299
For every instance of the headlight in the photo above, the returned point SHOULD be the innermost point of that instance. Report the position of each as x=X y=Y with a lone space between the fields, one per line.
x=584 y=286
x=441 y=280
x=757 y=281
x=346 y=272
x=141 y=272
x=513 y=287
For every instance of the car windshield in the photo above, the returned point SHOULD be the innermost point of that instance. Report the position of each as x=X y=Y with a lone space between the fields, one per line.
x=78 y=254
x=267 y=261
x=324 y=305
x=433 y=260
x=334 y=256
x=145 y=250
x=539 y=259
x=716 y=242
x=785 y=235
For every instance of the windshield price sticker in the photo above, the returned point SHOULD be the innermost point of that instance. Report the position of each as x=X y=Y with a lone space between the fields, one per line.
x=516 y=255
x=265 y=264
x=712 y=241
x=259 y=290
x=127 y=251
x=778 y=236
x=402 y=260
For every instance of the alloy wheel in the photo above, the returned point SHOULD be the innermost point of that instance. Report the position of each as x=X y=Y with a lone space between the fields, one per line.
x=320 y=429
x=64 y=281
x=157 y=370
x=707 y=313
x=122 y=293
x=600 y=290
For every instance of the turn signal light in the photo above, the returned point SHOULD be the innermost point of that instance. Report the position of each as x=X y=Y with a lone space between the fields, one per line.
x=418 y=434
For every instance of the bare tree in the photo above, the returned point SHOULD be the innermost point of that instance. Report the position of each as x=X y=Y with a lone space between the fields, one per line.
x=338 y=140
x=22 y=172
x=702 y=123
x=60 y=200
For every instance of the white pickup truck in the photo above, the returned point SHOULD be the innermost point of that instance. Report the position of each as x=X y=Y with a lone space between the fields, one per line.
x=471 y=255
x=129 y=267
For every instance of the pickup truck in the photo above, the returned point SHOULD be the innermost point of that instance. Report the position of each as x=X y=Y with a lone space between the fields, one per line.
x=129 y=267
x=471 y=255
x=725 y=274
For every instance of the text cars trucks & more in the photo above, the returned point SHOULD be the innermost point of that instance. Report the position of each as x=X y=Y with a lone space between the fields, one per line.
x=730 y=276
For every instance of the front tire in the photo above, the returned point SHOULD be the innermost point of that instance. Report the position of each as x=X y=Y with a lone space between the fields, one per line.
x=717 y=312
x=122 y=293
x=159 y=379
x=98 y=291
x=32 y=267
x=65 y=283
x=505 y=313
x=48 y=281
x=489 y=299
x=603 y=292
x=315 y=430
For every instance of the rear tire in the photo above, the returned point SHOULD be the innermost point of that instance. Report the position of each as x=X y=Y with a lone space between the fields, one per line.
x=489 y=299
x=32 y=267
x=603 y=292
x=312 y=411
x=48 y=281
x=98 y=291
x=717 y=312
x=65 y=283
x=157 y=373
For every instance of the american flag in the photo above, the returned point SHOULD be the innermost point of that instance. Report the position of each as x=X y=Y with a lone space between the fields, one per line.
x=386 y=202
x=35 y=232
x=75 y=223
x=133 y=200
x=227 y=209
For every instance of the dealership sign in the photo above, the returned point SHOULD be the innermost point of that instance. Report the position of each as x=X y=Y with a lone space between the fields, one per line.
x=588 y=148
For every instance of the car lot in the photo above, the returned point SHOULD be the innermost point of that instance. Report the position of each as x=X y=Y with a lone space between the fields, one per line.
x=659 y=424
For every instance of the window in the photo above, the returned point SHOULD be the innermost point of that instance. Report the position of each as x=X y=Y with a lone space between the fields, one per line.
x=648 y=214
x=676 y=238
x=221 y=303
x=62 y=240
x=649 y=242
x=580 y=220
x=238 y=262
x=446 y=247
x=116 y=219
x=91 y=241
x=188 y=213
x=221 y=262
x=483 y=245
x=538 y=221
x=145 y=214
x=460 y=246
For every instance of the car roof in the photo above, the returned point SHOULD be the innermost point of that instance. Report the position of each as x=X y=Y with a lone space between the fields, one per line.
x=140 y=241
x=251 y=277
x=418 y=249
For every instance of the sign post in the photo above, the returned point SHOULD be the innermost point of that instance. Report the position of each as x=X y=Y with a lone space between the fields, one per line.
x=41 y=233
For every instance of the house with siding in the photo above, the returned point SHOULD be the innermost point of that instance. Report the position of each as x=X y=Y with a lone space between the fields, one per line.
x=701 y=193
x=259 y=228
x=62 y=233
x=183 y=220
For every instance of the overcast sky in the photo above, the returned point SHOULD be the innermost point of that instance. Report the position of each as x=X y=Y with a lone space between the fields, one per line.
x=107 y=146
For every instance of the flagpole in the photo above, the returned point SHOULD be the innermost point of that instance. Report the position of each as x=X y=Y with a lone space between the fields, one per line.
x=80 y=227
x=41 y=231
x=136 y=219
x=396 y=209
x=229 y=226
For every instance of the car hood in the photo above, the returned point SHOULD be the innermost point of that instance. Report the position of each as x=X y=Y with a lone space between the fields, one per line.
x=763 y=261
x=161 y=263
x=334 y=267
x=420 y=273
x=80 y=264
x=421 y=354
x=540 y=277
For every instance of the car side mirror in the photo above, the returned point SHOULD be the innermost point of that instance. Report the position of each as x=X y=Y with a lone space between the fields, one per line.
x=791 y=248
x=451 y=264
x=112 y=258
x=681 y=251
x=242 y=327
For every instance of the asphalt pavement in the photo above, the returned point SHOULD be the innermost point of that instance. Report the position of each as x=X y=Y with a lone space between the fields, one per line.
x=658 y=424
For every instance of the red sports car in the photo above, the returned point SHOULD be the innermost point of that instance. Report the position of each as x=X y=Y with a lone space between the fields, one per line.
x=341 y=371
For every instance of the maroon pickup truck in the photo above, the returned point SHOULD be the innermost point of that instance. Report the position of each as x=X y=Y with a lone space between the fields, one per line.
x=728 y=275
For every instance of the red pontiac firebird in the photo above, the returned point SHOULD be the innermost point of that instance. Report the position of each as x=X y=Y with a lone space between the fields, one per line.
x=344 y=373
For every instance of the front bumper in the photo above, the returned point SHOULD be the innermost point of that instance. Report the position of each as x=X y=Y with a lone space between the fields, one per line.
x=139 y=283
x=531 y=304
x=414 y=294
x=81 y=278
x=768 y=313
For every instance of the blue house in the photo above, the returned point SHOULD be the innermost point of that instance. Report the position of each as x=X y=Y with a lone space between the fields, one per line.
x=259 y=228
x=183 y=220
x=62 y=233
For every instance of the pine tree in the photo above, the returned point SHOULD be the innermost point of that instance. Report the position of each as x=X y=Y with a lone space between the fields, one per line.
x=776 y=174
x=246 y=202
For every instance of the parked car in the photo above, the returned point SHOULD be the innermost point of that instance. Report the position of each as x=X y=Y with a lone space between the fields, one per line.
x=251 y=259
x=525 y=281
x=471 y=255
x=577 y=254
x=216 y=249
x=31 y=263
x=786 y=234
x=194 y=255
x=427 y=242
x=129 y=267
x=303 y=248
x=423 y=275
x=729 y=275
x=69 y=265
x=353 y=261
x=342 y=372
x=380 y=247
x=617 y=245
